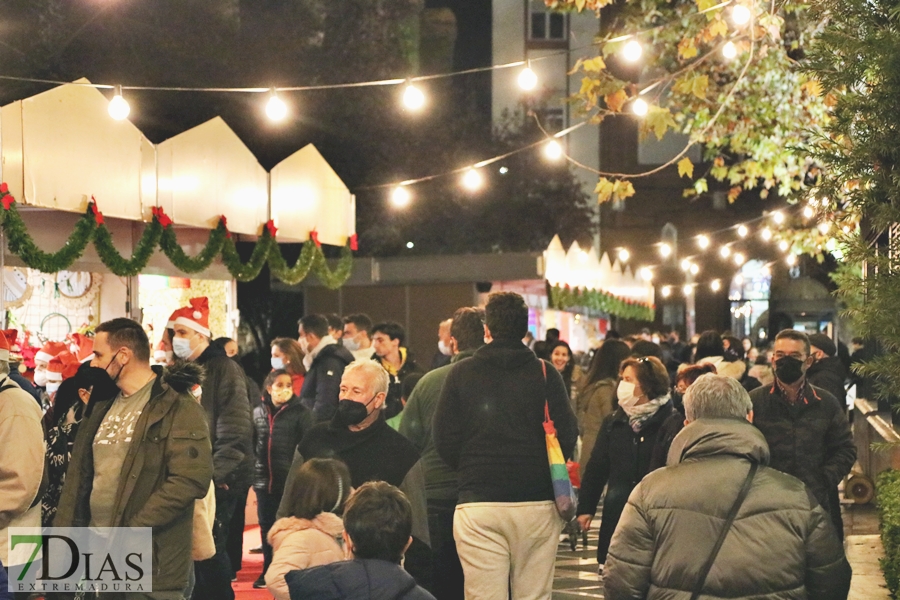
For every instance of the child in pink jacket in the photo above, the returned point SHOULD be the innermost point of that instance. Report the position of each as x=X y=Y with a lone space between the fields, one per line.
x=311 y=536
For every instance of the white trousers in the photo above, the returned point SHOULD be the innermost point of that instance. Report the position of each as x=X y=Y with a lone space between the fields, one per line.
x=507 y=546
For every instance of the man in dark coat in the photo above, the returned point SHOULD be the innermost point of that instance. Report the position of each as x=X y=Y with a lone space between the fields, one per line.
x=325 y=361
x=387 y=340
x=805 y=426
x=780 y=545
x=149 y=477
x=488 y=426
x=828 y=371
x=224 y=396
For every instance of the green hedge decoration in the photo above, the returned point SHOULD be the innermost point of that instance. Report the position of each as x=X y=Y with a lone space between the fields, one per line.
x=563 y=298
x=887 y=490
x=160 y=233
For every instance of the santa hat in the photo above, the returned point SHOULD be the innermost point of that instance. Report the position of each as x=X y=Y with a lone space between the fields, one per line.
x=159 y=355
x=170 y=324
x=82 y=347
x=9 y=346
x=62 y=366
x=195 y=316
x=50 y=350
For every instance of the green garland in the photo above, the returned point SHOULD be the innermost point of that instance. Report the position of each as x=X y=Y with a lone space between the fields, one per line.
x=159 y=232
x=562 y=298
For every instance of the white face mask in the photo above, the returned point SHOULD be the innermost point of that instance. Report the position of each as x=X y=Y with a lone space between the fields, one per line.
x=40 y=377
x=182 y=347
x=304 y=344
x=351 y=344
x=625 y=394
x=444 y=348
x=53 y=386
x=277 y=363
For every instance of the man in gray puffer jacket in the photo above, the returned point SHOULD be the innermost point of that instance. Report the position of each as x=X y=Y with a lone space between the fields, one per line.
x=780 y=546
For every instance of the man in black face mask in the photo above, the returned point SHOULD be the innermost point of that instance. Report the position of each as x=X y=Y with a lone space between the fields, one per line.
x=805 y=426
x=359 y=436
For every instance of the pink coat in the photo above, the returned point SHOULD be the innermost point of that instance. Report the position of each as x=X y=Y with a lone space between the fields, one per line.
x=300 y=544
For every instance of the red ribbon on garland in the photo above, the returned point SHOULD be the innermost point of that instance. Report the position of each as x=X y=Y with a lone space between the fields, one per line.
x=98 y=216
x=161 y=216
x=314 y=236
x=224 y=223
x=270 y=225
x=7 y=197
x=354 y=242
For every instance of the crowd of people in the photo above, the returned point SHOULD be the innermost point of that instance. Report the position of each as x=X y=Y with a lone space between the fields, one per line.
x=370 y=473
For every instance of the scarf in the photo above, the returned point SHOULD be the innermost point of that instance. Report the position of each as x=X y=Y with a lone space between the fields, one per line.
x=640 y=414
x=312 y=354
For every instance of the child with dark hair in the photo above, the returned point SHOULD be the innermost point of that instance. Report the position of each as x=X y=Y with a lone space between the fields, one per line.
x=311 y=535
x=377 y=527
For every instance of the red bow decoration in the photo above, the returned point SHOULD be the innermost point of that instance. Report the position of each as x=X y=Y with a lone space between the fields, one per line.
x=161 y=216
x=354 y=242
x=270 y=225
x=7 y=197
x=98 y=216
x=224 y=223
x=314 y=236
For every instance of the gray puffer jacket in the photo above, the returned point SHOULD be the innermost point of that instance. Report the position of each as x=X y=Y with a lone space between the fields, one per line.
x=781 y=546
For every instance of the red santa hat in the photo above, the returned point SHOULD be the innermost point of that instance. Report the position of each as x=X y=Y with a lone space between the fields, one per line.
x=195 y=316
x=82 y=347
x=62 y=366
x=9 y=346
x=49 y=350
x=159 y=354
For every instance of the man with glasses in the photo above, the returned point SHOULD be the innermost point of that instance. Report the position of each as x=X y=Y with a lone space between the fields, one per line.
x=805 y=426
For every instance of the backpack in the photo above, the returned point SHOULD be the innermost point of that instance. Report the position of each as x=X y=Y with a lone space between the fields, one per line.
x=45 y=477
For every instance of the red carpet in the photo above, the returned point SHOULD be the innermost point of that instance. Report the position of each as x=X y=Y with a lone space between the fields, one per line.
x=250 y=569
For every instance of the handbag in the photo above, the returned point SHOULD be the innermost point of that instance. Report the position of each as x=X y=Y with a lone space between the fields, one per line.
x=563 y=492
x=728 y=522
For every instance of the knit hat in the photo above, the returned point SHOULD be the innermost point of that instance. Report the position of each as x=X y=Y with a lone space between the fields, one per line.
x=9 y=346
x=195 y=316
x=82 y=347
x=823 y=343
x=62 y=366
x=49 y=350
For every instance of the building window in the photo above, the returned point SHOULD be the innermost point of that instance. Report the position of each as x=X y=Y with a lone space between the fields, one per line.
x=552 y=119
x=545 y=25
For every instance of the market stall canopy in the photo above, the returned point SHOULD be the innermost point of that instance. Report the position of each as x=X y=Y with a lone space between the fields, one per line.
x=61 y=147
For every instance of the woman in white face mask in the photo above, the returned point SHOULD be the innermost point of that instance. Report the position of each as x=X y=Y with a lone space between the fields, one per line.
x=633 y=441
x=287 y=354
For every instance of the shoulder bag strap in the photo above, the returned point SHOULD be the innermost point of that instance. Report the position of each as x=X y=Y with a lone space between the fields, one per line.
x=728 y=522
x=546 y=401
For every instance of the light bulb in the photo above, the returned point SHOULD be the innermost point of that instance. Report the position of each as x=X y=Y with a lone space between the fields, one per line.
x=846 y=229
x=742 y=231
x=632 y=51
x=527 y=79
x=725 y=251
x=808 y=212
x=783 y=245
x=276 y=109
x=729 y=50
x=410 y=245
x=740 y=15
x=553 y=150
x=824 y=227
x=646 y=274
x=791 y=260
x=688 y=290
x=716 y=285
x=472 y=180
x=118 y=107
x=739 y=279
x=686 y=265
x=666 y=291
x=503 y=170
x=778 y=217
x=624 y=255
x=640 y=107
x=695 y=269
x=400 y=197
x=665 y=250
x=413 y=98
x=703 y=242
x=766 y=271
x=739 y=259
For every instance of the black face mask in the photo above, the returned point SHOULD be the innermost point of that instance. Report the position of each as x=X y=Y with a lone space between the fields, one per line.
x=111 y=361
x=677 y=398
x=788 y=369
x=350 y=412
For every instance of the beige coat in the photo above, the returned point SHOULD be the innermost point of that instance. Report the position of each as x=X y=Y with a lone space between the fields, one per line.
x=204 y=546
x=21 y=465
x=301 y=544
x=592 y=405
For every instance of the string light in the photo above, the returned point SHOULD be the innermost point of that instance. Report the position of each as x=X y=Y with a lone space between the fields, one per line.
x=824 y=226
x=472 y=180
x=410 y=245
x=688 y=290
x=413 y=98
x=739 y=279
x=527 y=78
x=553 y=150
x=686 y=265
x=695 y=269
x=118 y=107
x=624 y=255
x=640 y=107
x=703 y=242
x=632 y=51
x=729 y=50
x=783 y=245
x=646 y=274
x=778 y=217
x=666 y=291
x=791 y=260
x=716 y=285
x=766 y=234
x=742 y=231
x=740 y=15
x=725 y=251
x=400 y=197
x=665 y=250
x=276 y=109
x=846 y=229
x=739 y=259
x=808 y=212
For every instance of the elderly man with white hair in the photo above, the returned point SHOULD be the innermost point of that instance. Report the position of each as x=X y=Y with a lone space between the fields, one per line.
x=359 y=436
x=717 y=521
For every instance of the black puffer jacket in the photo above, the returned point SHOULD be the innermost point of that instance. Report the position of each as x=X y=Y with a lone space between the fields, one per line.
x=810 y=439
x=278 y=432
x=228 y=410
x=620 y=459
x=829 y=374
x=361 y=579
x=322 y=384
x=781 y=546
